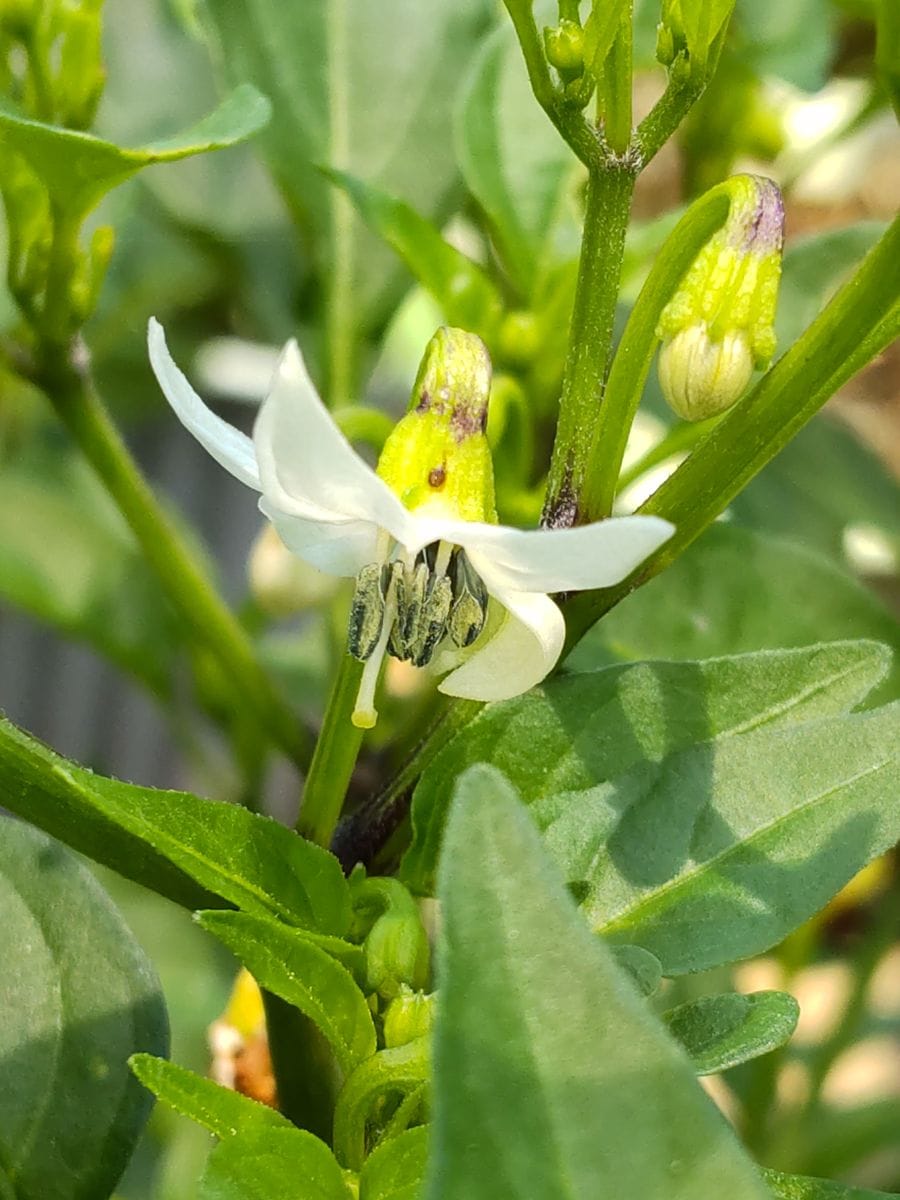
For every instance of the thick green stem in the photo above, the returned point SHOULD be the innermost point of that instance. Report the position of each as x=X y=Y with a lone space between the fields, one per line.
x=857 y=324
x=637 y=346
x=590 y=338
x=72 y=394
x=333 y=759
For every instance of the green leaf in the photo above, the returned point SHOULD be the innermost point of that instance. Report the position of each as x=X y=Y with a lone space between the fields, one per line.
x=78 y=996
x=285 y=962
x=887 y=51
x=67 y=558
x=719 y=1032
x=277 y=1164
x=395 y=1169
x=513 y=161
x=218 y=1109
x=719 y=851
x=579 y=730
x=78 y=168
x=600 y=31
x=736 y=590
x=466 y=295
x=644 y=968
x=793 y=41
x=196 y=852
x=361 y=87
x=800 y=1187
x=551 y=1076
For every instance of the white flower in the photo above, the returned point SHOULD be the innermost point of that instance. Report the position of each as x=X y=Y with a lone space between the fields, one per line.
x=332 y=510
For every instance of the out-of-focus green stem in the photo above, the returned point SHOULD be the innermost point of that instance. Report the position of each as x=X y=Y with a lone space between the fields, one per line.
x=70 y=390
x=334 y=757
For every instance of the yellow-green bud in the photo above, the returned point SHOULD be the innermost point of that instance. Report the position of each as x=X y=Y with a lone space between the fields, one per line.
x=719 y=325
x=409 y=1016
x=564 y=46
x=395 y=944
x=437 y=455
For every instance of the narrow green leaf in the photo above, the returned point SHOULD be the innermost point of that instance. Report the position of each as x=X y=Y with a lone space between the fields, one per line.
x=580 y=730
x=275 y=1164
x=218 y=1109
x=887 y=50
x=720 y=850
x=338 y=75
x=514 y=162
x=78 y=168
x=78 y=996
x=600 y=31
x=551 y=1076
x=801 y=1187
x=466 y=295
x=737 y=591
x=719 y=1032
x=196 y=852
x=395 y=1169
x=292 y=966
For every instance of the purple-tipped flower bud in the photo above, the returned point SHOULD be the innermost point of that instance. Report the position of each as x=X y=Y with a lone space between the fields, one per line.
x=719 y=325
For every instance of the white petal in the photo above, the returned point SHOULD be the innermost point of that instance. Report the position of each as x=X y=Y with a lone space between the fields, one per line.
x=560 y=560
x=339 y=547
x=228 y=446
x=521 y=653
x=303 y=455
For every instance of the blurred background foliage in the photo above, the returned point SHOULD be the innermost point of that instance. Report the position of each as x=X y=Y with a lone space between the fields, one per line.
x=451 y=198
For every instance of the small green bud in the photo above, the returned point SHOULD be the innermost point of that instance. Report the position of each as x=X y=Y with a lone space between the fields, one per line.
x=519 y=339
x=409 y=1016
x=437 y=455
x=564 y=46
x=719 y=325
x=395 y=944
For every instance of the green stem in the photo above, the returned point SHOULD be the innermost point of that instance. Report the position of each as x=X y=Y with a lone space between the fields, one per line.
x=72 y=394
x=568 y=118
x=609 y=194
x=334 y=757
x=860 y=320
x=616 y=87
x=638 y=345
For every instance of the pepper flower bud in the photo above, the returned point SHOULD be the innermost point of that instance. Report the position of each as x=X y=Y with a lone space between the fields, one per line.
x=564 y=46
x=719 y=325
x=409 y=1016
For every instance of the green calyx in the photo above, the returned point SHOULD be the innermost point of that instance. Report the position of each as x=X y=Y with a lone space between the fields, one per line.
x=437 y=455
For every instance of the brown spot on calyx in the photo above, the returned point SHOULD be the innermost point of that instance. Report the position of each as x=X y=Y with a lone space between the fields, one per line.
x=424 y=401
x=437 y=477
x=467 y=420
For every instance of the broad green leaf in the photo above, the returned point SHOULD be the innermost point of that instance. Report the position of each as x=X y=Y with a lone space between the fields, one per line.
x=78 y=996
x=78 y=168
x=719 y=1032
x=365 y=88
x=218 y=1109
x=67 y=558
x=466 y=295
x=551 y=1076
x=720 y=850
x=194 y=851
x=736 y=590
x=579 y=730
x=395 y=1169
x=275 y=1164
x=285 y=962
x=514 y=162
x=800 y=1187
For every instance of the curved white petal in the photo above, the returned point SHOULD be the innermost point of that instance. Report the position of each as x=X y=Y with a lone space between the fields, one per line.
x=339 y=547
x=560 y=560
x=520 y=654
x=304 y=456
x=229 y=447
